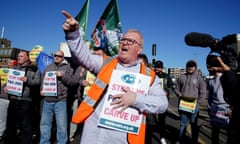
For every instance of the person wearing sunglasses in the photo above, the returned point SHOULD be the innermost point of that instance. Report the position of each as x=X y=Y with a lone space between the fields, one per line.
x=153 y=101
x=57 y=74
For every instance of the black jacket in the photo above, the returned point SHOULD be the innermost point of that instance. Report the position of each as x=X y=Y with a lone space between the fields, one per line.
x=231 y=92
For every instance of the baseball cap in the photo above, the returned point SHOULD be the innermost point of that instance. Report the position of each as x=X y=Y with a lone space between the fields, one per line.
x=158 y=64
x=191 y=63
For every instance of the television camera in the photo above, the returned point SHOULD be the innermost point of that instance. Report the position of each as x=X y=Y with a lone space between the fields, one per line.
x=219 y=47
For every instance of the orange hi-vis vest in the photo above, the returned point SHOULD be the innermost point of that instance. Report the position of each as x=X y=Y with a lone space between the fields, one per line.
x=95 y=93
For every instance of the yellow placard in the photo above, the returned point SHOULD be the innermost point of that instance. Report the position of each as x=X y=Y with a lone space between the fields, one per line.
x=4 y=75
x=162 y=82
x=35 y=52
x=187 y=105
x=90 y=78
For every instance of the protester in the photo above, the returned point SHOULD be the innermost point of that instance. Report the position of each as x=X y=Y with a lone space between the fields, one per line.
x=231 y=85
x=154 y=101
x=20 y=107
x=80 y=78
x=144 y=59
x=54 y=103
x=168 y=86
x=219 y=110
x=191 y=88
x=79 y=81
x=151 y=117
x=4 y=102
x=99 y=51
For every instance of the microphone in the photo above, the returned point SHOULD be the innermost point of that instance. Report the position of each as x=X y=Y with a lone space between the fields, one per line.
x=199 y=39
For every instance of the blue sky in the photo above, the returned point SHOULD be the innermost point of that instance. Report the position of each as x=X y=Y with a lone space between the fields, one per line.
x=28 y=23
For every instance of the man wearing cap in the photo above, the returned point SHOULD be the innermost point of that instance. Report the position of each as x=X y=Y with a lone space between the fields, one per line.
x=190 y=88
x=168 y=86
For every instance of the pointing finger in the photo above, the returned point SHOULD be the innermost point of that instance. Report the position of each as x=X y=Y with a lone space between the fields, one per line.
x=66 y=14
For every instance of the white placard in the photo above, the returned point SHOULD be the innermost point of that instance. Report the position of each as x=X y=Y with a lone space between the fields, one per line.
x=14 y=84
x=130 y=119
x=50 y=84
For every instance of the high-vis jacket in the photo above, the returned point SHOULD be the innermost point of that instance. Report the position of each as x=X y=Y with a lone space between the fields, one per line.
x=96 y=91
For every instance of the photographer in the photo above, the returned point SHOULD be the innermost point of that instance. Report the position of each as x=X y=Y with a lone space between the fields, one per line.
x=218 y=109
x=231 y=88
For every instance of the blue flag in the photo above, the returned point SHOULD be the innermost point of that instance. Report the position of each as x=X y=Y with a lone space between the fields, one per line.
x=43 y=60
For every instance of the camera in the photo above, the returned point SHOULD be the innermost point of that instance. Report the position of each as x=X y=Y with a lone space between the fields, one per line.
x=211 y=60
x=226 y=48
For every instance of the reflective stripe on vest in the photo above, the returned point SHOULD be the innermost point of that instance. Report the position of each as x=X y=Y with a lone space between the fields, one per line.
x=95 y=92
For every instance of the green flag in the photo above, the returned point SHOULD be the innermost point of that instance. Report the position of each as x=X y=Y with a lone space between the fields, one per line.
x=82 y=18
x=108 y=30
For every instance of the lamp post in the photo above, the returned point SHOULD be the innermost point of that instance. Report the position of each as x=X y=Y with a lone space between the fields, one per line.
x=153 y=54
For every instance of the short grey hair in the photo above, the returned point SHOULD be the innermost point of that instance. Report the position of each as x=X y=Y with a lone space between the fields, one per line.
x=139 y=33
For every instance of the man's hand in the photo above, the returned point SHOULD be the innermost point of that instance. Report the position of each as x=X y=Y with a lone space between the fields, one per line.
x=41 y=93
x=70 y=23
x=24 y=79
x=223 y=67
x=58 y=73
x=5 y=89
x=125 y=100
x=84 y=83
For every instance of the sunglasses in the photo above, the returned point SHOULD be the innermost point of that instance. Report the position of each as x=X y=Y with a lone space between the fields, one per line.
x=60 y=56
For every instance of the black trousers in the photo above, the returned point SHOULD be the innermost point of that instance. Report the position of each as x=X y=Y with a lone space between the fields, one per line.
x=19 y=117
x=155 y=123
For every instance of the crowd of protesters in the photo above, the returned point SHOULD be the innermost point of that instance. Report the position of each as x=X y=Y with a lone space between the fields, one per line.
x=36 y=114
x=37 y=117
